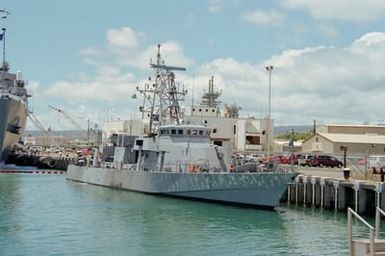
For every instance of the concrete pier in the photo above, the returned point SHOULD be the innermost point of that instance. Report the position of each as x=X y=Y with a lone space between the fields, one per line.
x=335 y=193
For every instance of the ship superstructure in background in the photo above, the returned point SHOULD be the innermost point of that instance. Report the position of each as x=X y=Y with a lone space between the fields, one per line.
x=13 y=104
x=177 y=158
x=228 y=128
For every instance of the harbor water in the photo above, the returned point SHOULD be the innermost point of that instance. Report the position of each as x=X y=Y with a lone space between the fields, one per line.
x=49 y=215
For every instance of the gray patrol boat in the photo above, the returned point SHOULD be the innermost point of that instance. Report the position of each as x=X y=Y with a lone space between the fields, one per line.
x=13 y=105
x=177 y=159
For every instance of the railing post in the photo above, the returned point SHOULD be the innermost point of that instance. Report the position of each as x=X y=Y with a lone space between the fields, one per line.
x=371 y=235
x=313 y=182
x=378 y=223
x=356 y=187
x=288 y=194
x=378 y=190
x=371 y=231
x=304 y=181
x=335 y=185
x=350 y=233
x=296 y=189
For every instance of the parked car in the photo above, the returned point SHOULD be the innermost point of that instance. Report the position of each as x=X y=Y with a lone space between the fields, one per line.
x=304 y=160
x=325 y=160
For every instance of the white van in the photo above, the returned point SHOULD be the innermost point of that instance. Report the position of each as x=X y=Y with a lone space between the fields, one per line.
x=376 y=161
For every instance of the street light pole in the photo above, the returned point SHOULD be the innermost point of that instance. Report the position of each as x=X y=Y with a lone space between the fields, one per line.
x=269 y=69
x=291 y=145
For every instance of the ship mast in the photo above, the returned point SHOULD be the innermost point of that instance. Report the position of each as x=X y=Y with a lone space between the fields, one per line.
x=163 y=96
x=210 y=98
x=4 y=14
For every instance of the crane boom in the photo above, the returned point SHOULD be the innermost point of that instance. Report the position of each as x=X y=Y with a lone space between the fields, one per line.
x=68 y=117
x=37 y=123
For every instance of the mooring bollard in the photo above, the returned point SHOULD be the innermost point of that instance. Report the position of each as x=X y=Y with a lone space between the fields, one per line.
x=346 y=173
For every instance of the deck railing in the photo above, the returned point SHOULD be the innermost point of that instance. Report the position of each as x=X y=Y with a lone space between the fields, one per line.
x=352 y=213
x=379 y=212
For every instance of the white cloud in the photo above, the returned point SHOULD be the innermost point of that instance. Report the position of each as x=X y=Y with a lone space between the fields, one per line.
x=215 y=6
x=125 y=37
x=109 y=85
x=327 y=84
x=346 y=10
x=112 y=85
x=262 y=17
x=370 y=41
x=127 y=47
x=172 y=52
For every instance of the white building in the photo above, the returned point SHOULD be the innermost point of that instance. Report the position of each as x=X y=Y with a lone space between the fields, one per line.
x=239 y=133
x=358 y=139
x=130 y=127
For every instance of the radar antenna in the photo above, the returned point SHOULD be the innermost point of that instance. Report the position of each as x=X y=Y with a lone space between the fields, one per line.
x=162 y=96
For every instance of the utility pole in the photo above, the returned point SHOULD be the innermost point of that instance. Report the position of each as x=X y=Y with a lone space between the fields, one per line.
x=88 y=132
x=292 y=150
x=269 y=69
x=314 y=127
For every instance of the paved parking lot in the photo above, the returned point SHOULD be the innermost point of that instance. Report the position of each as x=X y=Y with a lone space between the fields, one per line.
x=322 y=172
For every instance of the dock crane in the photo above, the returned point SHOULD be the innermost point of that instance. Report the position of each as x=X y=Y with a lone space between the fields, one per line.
x=74 y=123
x=37 y=123
x=68 y=117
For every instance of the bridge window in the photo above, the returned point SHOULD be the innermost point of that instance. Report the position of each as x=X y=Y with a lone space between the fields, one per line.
x=194 y=132
x=180 y=132
x=200 y=132
x=173 y=131
x=188 y=132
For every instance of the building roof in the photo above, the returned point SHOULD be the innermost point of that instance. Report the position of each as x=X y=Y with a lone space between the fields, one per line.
x=355 y=125
x=354 y=138
x=250 y=128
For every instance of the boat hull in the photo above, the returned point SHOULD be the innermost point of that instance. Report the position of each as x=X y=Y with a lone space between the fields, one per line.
x=259 y=190
x=13 y=115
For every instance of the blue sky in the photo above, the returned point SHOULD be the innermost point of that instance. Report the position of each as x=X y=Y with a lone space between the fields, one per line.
x=87 y=57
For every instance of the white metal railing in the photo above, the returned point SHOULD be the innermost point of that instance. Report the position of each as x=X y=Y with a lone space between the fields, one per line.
x=352 y=213
x=379 y=212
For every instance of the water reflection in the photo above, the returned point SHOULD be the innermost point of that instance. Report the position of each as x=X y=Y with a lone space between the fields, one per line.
x=48 y=215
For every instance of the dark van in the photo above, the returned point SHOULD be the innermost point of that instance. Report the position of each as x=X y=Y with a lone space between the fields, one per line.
x=325 y=160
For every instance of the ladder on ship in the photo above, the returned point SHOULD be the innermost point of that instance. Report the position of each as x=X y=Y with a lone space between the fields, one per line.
x=374 y=246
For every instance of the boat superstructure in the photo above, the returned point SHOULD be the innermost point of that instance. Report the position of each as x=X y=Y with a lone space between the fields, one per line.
x=13 y=105
x=176 y=158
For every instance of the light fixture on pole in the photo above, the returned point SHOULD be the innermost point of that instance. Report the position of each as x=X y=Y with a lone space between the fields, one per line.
x=269 y=69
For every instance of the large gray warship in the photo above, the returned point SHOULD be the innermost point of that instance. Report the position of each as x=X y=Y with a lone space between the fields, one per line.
x=13 y=106
x=177 y=159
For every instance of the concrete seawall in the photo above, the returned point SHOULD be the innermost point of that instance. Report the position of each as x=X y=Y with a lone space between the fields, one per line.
x=327 y=189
